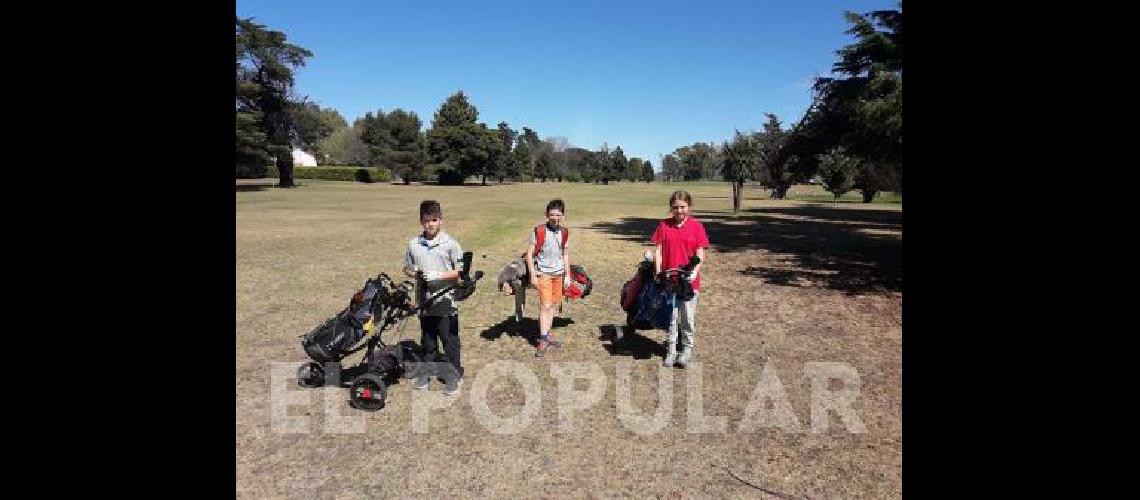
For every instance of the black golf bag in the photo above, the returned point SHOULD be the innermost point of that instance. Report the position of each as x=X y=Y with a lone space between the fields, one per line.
x=332 y=339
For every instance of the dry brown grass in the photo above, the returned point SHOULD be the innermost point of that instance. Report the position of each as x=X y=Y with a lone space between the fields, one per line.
x=787 y=283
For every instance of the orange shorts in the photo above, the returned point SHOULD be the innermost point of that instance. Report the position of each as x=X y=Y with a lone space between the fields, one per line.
x=550 y=289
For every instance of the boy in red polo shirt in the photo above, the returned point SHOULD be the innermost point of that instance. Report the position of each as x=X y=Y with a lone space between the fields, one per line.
x=677 y=239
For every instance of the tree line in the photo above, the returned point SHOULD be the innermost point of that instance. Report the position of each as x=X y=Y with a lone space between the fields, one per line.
x=850 y=137
x=272 y=120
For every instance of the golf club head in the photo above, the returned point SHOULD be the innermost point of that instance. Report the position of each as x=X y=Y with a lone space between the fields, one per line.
x=465 y=265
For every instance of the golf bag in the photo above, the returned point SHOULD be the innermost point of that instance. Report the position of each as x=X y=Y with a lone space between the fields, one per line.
x=654 y=307
x=632 y=288
x=580 y=283
x=333 y=339
x=649 y=300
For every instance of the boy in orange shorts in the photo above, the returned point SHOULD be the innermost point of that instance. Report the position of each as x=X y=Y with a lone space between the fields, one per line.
x=548 y=261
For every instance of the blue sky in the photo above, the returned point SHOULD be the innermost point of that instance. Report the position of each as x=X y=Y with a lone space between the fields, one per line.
x=647 y=76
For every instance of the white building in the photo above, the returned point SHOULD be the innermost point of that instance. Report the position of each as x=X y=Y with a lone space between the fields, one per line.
x=303 y=159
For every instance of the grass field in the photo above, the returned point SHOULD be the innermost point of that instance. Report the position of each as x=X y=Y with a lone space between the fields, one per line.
x=787 y=283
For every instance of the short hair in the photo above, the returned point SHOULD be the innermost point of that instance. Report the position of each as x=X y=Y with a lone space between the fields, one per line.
x=430 y=207
x=556 y=204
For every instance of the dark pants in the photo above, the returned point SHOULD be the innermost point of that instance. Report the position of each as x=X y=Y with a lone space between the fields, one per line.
x=445 y=328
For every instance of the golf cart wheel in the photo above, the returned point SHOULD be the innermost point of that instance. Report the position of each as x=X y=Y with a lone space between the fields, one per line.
x=311 y=375
x=367 y=392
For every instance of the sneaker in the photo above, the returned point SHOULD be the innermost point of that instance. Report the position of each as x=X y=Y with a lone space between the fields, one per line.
x=670 y=357
x=453 y=388
x=683 y=359
x=540 y=349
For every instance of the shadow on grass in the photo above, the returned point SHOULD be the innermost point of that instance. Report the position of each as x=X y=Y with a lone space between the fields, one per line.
x=631 y=343
x=527 y=328
x=855 y=250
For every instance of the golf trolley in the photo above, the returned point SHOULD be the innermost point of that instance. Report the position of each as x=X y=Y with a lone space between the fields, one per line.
x=380 y=304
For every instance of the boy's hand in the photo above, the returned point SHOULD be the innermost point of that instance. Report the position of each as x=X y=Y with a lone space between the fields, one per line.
x=411 y=271
x=566 y=281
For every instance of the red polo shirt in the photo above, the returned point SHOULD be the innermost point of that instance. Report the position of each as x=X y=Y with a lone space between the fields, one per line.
x=678 y=244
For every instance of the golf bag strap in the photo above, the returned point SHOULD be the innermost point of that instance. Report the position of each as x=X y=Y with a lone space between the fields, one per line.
x=540 y=238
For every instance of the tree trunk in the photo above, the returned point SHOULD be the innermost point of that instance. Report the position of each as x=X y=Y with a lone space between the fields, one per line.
x=284 y=167
x=869 y=194
x=737 y=193
x=484 y=179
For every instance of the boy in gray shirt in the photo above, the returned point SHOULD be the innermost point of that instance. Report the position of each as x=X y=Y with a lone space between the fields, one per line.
x=433 y=259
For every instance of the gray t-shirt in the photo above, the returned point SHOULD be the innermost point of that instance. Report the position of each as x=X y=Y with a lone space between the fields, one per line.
x=549 y=258
x=440 y=254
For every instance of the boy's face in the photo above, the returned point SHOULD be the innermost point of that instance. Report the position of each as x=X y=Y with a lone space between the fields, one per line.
x=431 y=224
x=554 y=217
